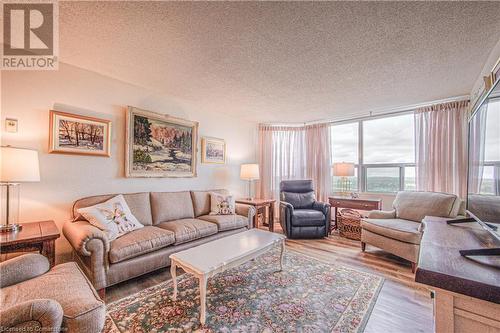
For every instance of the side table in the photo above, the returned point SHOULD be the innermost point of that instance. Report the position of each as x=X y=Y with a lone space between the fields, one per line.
x=35 y=236
x=261 y=205
x=353 y=203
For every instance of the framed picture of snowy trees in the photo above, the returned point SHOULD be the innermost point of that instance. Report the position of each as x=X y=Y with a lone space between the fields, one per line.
x=159 y=145
x=76 y=134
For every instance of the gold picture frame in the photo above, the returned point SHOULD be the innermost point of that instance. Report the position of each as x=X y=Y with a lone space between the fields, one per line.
x=79 y=135
x=159 y=145
x=213 y=150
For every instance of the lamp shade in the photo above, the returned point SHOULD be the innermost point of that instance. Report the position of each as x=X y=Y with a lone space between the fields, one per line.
x=343 y=169
x=249 y=171
x=19 y=165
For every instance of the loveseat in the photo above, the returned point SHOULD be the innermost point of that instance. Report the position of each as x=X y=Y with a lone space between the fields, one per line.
x=36 y=299
x=399 y=231
x=173 y=221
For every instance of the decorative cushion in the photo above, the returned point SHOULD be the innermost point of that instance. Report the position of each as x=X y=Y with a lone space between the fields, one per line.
x=201 y=201
x=139 y=242
x=299 y=200
x=415 y=206
x=113 y=217
x=169 y=206
x=221 y=204
x=226 y=222
x=307 y=217
x=137 y=202
x=186 y=230
x=398 y=229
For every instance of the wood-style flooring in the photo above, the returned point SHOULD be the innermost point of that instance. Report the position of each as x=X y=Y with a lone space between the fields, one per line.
x=402 y=305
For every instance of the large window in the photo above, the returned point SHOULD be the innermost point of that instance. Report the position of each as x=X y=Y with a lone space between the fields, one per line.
x=382 y=149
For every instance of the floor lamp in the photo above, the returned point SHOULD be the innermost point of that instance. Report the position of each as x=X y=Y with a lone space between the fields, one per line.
x=344 y=170
x=249 y=172
x=18 y=166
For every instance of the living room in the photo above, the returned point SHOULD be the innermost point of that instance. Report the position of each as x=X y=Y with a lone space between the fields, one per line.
x=250 y=166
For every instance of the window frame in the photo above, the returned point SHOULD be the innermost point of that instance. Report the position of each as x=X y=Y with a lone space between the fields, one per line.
x=362 y=167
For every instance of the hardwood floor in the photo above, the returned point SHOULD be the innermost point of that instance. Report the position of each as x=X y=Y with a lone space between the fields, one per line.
x=402 y=305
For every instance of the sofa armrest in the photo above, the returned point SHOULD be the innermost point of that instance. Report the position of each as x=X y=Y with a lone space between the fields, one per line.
x=246 y=210
x=322 y=207
x=80 y=233
x=22 y=268
x=382 y=214
x=42 y=315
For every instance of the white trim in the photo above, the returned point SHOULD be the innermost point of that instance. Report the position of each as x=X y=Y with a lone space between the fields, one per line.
x=374 y=113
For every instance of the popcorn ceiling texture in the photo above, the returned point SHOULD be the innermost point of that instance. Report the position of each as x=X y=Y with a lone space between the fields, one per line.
x=288 y=61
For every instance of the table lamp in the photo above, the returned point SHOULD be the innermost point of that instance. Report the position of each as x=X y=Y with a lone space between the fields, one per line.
x=249 y=172
x=18 y=166
x=344 y=170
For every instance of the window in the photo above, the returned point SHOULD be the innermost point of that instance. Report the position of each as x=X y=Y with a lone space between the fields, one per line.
x=383 y=151
x=345 y=149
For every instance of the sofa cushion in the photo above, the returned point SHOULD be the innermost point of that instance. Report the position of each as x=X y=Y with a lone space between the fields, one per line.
x=201 y=201
x=299 y=200
x=169 y=206
x=399 y=229
x=186 y=230
x=415 y=206
x=139 y=242
x=137 y=202
x=226 y=222
x=83 y=310
x=307 y=217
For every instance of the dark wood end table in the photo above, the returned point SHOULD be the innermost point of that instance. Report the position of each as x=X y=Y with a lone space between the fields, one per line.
x=34 y=236
x=261 y=205
x=354 y=203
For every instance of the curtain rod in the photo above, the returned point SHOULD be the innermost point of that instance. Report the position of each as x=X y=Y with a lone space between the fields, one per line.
x=374 y=113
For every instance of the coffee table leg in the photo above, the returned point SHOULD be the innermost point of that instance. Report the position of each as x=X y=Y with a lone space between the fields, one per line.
x=282 y=254
x=173 y=272
x=203 y=298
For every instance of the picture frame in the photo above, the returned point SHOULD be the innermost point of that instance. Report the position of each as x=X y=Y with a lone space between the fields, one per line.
x=159 y=145
x=213 y=150
x=79 y=135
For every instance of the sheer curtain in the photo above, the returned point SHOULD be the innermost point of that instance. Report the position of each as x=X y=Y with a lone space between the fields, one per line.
x=318 y=162
x=441 y=148
x=282 y=155
x=477 y=149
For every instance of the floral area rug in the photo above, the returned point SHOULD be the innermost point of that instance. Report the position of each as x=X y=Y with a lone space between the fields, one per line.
x=307 y=296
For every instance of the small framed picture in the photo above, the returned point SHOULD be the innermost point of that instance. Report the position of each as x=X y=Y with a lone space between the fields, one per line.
x=213 y=150
x=75 y=134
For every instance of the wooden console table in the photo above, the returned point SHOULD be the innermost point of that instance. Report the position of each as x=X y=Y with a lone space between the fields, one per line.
x=353 y=203
x=261 y=205
x=34 y=236
x=466 y=290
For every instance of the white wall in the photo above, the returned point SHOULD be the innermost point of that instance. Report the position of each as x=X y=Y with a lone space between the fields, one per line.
x=28 y=96
x=488 y=66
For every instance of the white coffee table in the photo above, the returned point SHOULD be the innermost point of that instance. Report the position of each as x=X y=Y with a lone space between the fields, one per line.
x=206 y=260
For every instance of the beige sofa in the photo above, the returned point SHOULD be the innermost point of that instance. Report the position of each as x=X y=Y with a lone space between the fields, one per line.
x=173 y=221
x=399 y=231
x=36 y=299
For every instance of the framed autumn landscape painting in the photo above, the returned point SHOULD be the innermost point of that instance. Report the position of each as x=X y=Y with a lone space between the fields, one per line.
x=159 y=145
x=76 y=134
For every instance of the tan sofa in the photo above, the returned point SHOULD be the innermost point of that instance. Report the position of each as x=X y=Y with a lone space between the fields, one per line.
x=173 y=221
x=399 y=231
x=36 y=299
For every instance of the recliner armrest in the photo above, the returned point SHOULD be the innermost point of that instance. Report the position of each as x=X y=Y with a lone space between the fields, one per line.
x=22 y=268
x=322 y=207
x=382 y=214
x=46 y=312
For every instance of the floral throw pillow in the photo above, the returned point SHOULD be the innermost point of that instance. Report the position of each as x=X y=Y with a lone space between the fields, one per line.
x=221 y=204
x=113 y=217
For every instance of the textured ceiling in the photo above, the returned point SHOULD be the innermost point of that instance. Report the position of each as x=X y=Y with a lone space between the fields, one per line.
x=285 y=61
